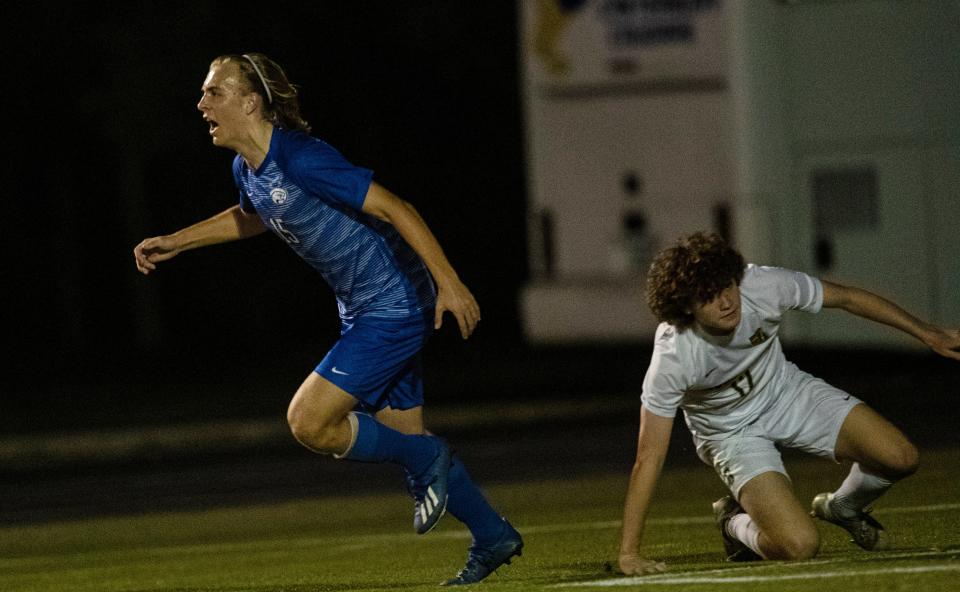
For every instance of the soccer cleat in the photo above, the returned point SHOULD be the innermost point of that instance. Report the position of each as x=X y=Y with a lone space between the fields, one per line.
x=482 y=561
x=724 y=509
x=867 y=533
x=429 y=490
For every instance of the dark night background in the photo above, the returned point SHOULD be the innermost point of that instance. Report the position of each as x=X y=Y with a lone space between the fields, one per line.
x=106 y=147
x=110 y=149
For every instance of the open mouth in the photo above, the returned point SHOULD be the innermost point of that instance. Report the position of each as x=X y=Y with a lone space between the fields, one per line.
x=214 y=126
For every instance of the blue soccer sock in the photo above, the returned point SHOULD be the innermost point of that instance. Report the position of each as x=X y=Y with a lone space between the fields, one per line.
x=467 y=504
x=375 y=442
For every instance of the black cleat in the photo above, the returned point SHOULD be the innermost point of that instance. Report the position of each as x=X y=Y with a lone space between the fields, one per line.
x=482 y=561
x=867 y=533
x=724 y=509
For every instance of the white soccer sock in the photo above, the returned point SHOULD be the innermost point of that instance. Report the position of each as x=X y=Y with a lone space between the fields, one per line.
x=354 y=428
x=744 y=529
x=857 y=491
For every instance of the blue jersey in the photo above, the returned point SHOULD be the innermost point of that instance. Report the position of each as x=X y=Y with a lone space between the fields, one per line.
x=310 y=196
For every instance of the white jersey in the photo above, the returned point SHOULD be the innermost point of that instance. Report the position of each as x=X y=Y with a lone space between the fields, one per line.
x=724 y=383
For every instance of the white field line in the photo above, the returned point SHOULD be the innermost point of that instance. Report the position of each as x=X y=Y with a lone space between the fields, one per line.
x=462 y=533
x=695 y=579
x=755 y=569
x=360 y=541
x=706 y=519
x=714 y=577
x=669 y=580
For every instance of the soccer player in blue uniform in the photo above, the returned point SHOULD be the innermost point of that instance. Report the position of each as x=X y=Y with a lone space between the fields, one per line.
x=392 y=282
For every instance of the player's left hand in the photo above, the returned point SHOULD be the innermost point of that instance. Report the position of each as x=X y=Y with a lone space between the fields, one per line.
x=457 y=299
x=946 y=342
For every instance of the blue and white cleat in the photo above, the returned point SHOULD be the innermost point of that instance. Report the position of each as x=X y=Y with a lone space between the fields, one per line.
x=429 y=490
x=482 y=561
x=867 y=533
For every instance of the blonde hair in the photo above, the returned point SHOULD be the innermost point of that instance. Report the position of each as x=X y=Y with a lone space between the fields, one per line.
x=281 y=105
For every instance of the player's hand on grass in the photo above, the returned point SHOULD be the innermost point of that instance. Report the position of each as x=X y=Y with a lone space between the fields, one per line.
x=635 y=565
x=454 y=297
x=152 y=251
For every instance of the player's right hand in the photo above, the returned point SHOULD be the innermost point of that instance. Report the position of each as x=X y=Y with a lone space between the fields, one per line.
x=454 y=297
x=635 y=565
x=945 y=342
x=152 y=251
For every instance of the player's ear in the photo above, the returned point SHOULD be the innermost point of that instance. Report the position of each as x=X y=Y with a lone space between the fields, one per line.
x=250 y=102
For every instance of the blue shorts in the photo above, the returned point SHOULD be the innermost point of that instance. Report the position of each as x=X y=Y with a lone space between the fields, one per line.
x=378 y=361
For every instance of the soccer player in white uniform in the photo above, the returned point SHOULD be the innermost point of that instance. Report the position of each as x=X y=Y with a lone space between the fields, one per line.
x=364 y=400
x=717 y=357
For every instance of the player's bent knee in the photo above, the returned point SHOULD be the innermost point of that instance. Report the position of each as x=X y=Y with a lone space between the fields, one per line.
x=794 y=542
x=801 y=546
x=906 y=461
x=301 y=429
x=311 y=431
x=804 y=552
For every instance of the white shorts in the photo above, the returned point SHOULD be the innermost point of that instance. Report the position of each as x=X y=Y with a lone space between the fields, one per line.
x=807 y=416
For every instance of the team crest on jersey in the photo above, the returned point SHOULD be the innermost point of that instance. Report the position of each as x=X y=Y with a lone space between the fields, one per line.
x=759 y=337
x=279 y=195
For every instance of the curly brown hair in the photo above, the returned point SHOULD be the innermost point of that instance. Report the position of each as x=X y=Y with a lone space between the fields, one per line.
x=693 y=271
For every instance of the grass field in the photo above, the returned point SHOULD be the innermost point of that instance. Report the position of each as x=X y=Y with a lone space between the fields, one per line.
x=571 y=529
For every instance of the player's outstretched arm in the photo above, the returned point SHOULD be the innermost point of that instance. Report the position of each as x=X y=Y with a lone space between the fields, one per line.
x=229 y=225
x=452 y=294
x=652 y=445
x=868 y=305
